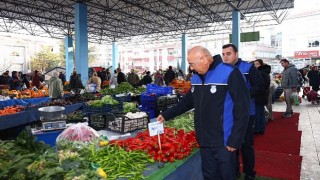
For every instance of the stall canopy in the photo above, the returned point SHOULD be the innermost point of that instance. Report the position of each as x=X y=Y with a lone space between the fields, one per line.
x=49 y=73
x=115 y=20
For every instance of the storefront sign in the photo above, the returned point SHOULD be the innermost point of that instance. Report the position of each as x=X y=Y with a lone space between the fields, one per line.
x=306 y=54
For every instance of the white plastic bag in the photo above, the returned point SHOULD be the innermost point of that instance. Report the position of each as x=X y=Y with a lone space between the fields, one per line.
x=76 y=136
x=91 y=87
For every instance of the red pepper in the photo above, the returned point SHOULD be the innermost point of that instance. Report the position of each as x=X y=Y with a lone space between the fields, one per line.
x=171 y=159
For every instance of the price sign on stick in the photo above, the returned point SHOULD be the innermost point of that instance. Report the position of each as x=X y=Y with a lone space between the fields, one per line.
x=155 y=128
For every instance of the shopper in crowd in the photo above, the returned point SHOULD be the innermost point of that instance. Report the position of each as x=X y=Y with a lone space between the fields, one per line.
x=121 y=77
x=4 y=79
x=304 y=72
x=221 y=102
x=261 y=100
x=75 y=83
x=14 y=81
x=36 y=79
x=289 y=83
x=180 y=74
x=96 y=81
x=255 y=85
x=147 y=79
x=114 y=79
x=189 y=75
x=169 y=76
x=158 y=78
x=62 y=77
x=25 y=81
x=55 y=87
x=314 y=78
x=108 y=75
x=133 y=78
x=102 y=75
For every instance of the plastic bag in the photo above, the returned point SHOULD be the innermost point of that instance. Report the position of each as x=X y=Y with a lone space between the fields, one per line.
x=77 y=136
x=295 y=99
x=91 y=87
x=281 y=98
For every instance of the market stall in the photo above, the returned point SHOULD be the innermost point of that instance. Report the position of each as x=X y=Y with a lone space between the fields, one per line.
x=134 y=154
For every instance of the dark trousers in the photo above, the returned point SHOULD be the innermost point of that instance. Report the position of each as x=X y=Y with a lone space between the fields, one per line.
x=218 y=163
x=247 y=151
x=260 y=118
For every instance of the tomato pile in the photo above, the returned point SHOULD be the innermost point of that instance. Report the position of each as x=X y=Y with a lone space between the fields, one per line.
x=175 y=144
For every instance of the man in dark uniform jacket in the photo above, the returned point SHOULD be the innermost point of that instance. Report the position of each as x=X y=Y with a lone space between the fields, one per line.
x=221 y=103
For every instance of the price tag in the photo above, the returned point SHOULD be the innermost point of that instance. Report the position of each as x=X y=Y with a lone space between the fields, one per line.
x=155 y=128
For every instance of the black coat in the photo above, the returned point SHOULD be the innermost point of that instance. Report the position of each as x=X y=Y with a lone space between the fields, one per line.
x=169 y=76
x=263 y=97
x=75 y=82
x=314 y=78
x=121 y=78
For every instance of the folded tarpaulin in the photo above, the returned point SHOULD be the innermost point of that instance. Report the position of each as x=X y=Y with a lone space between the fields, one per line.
x=24 y=102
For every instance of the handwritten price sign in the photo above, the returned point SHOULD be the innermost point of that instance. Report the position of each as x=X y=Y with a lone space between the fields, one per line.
x=155 y=128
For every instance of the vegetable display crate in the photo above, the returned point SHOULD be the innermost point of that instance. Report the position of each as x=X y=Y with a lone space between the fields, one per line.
x=107 y=108
x=48 y=137
x=161 y=91
x=165 y=102
x=94 y=110
x=122 y=124
x=122 y=97
x=113 y=108
x=148 y=101
x=97 y=121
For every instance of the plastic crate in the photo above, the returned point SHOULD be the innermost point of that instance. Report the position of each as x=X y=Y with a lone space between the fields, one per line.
x=122 y=124
x=97 y=121
x=165 y=102
x=151 y=112
x=113 y=108
x=122 y=97
x=162 y=91
x=172 y=100
x=148 y=101
x=48 y=137
x=94 y=110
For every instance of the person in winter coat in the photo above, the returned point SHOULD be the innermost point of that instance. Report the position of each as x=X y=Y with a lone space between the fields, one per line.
x=261 y=99
x=62 y=77
x=36 y=79
x=55 y=87
x=14 y=81
x=221 y=103
x=114 y=79
x=147 y=79
x=121 y=77
x=169 y=76
x=289 y=83
x=25 y=80
x=95 y=80
x=254 y=84
x=4 y=78
x=314 y=78
x=133 y=78
x=75 y=83
x=158 y=78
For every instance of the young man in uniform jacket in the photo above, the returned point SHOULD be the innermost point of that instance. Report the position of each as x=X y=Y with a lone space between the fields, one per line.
x=255 y=86
x=221 y=103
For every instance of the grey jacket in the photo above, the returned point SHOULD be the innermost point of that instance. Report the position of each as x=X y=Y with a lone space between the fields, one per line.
x=289 y=77
x=55 y=87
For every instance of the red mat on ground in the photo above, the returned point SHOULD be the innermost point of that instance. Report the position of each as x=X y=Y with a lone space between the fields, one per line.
x=278 y=165
x=281 y=135
x=277 y=151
